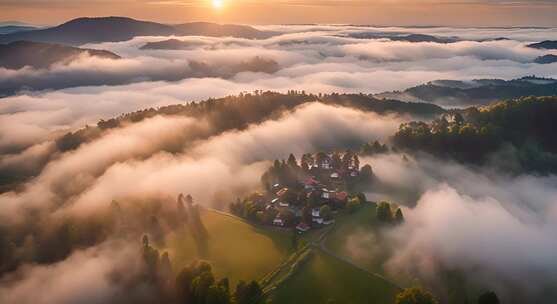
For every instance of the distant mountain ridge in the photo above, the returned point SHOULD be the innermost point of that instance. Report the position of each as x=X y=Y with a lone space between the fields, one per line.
x=404 y=37
x=546 y=59
x=544 y=45
x=113 y=29
x=455 y=93
x=19 y=54
x=9 y=29
x=170 y=44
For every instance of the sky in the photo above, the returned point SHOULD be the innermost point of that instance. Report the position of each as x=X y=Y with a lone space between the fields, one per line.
x=372 y=12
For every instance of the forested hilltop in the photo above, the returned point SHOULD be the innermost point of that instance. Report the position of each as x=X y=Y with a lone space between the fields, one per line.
x=237 y=112
x=517 y=134
x=224 y=114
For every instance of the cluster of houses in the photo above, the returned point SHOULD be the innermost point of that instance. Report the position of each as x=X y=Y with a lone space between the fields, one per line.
x=325 y=186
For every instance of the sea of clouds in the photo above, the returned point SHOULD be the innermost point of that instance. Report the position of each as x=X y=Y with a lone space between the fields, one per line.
x=457 y=217
x=311 y=58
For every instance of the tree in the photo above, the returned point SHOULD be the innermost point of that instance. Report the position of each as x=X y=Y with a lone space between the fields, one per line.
x=415 y=295
x=201 y=285
x=336 y=160
x=356 y=162
x=305 y=166
x=292 y=161
x=384 y=212
x=458 y=119
x=308 y=159
x=189 y=200
x=353 y=204
x=362 y=197
x=181 y=209
x=216 y=294
x=325 y=212
x=165 y=268
x=249 y=293
x=488 y=297
x=151 y=258
x=196 y=284
x=366 y=173
x=399 y=218
x=347 y=158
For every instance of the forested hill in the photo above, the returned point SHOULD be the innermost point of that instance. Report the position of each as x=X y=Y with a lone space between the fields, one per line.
x=225 y=114
x=453 y=93
x=237 y=112
x=522 y=131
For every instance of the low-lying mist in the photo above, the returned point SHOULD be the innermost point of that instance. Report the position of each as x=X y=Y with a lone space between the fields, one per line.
x=497 y=230
x=145 y=158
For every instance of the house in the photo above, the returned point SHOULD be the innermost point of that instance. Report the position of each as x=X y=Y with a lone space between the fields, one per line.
x=282 y=192
x=303 y=227
x=341 y=196
x=315 y=212
x=328 y=222
x=278 y=222
x=324 y=161
x=327 y=194
x=317 y=220
x=310 y=183
x=284 y=204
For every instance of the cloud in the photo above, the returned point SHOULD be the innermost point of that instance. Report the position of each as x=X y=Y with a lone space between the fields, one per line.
x=166 y=155
x=311 y=58
x=496 y=229
x=481 y=237
x=100 y=274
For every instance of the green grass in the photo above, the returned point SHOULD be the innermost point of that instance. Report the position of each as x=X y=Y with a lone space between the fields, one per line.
x=324 y=277
x=356 y=237
x=236 y=249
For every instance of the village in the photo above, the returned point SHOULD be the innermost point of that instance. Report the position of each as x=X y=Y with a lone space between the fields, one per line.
x=306 y=195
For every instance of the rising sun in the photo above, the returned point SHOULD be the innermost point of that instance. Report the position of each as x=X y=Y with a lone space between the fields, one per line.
x=218 y=3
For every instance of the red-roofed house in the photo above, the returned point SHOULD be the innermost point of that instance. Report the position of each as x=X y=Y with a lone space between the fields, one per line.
x=341 y=196
x=282 y=192
x=310 y=183
x=303 y=227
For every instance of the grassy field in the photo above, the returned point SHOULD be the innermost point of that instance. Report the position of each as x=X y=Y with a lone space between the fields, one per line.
x=355 y=236
x=323 y=278
x=236 y=249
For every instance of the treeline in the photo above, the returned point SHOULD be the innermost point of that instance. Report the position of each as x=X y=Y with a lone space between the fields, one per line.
x=525 y=126
x=47 y=240
x=237 y=112
x=389 y=213
x=290 y=173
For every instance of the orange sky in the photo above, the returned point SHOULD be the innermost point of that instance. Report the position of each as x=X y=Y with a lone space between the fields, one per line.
x=376 y=12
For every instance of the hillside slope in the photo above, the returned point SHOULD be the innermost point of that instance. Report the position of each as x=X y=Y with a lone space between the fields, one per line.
x=112 y=29
x=18 y=54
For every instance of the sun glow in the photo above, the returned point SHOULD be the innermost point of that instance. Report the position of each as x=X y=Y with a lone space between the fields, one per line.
x=218 y=3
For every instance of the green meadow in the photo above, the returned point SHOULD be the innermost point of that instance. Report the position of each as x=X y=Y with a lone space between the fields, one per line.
x=324 y=278
x=235 y=249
